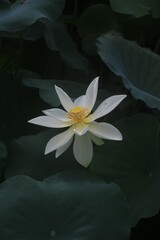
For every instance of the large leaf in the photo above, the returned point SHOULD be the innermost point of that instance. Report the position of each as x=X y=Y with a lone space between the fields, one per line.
x=137 y=7
x=32 y=19
x=133 y=164
x=57 y=38
x=94 y=21
x=27 y=157
x=138 y=67
x=23 y=13
x=70 y=205
x=47 y=87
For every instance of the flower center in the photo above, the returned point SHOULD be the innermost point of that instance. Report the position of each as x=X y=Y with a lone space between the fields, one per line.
x=78 y=114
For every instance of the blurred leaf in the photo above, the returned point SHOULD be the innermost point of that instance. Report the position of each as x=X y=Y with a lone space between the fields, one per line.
x=32 y=32
x=23 y=13
x=57 y=38
x=138 y=67
x=47 y=88
x=137 y=7
x=89 y=44
x=37 y=20
x=22 y=73
x=69 y=205
x=133 y=164
x=143 y=30
x=95 y=20
x=27 y=157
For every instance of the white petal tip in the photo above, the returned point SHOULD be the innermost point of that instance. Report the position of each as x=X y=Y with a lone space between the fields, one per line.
x=124 y=95
x=45 y=153
x=119 y=138
x=96 y=79
x=85 y=166
x=31 y=121
x=34 y=121
x=56 y=87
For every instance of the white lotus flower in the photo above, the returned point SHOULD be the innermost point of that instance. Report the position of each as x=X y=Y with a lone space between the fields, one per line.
x=80 y=119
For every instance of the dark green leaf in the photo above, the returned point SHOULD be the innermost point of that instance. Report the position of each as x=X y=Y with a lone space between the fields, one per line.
x=95 y=20
x=57 y=38
x=47 y=88
x=138 y=67
x=27 y=157
x=24 y=13
x=69 y=205
x=133 y=164
x=137 y=7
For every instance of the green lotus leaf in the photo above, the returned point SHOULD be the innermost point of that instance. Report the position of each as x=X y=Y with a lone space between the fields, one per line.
x=47 y=87
x=58 y=38
x=137 y=7
x=27 y=157
x=23 y=13
x=133 y=164
x=138 y=67
x=95 y=20
x=69 y=205
x=32 y=19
